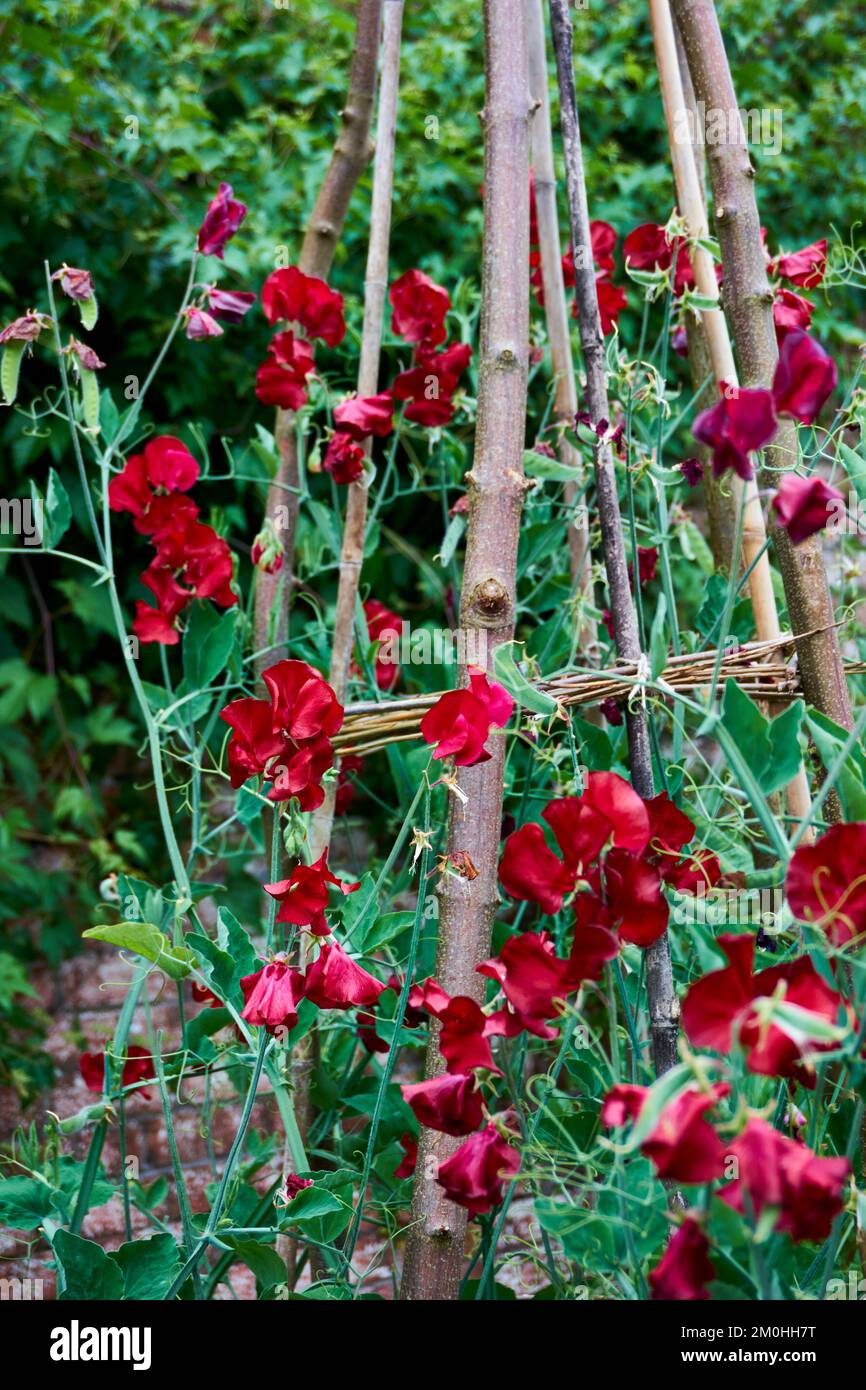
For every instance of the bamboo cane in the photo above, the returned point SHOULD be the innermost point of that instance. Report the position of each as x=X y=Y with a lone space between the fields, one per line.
x=556 y=314
x=663 y=1006
x=434 y=1252
x=691 y=206
x=350 y=157
x=354 y=526
x=749 y=306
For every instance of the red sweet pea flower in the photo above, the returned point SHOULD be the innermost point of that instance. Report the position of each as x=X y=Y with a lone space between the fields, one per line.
x=419 y=307
x=680 y=341
x=223 y=217
x=277 y=386
x=406 y=1167
x=363 y=416
x=449 y=1103
x=430 y=997
x=603 y=241
x=593 y=943
x=228 y=305
x=272 y=995
x=608 y=811
x=255 y=738
x=464 y=1037
x=334 y=981
x=460 y=721
x=344 y=459
x=647 y=248
x=743 y=420
x=805 y=376
x=622 y=1105
x=803 y=505
x=203 y=557
x=137 y=1067
x=451 y=361
x=684 y=1270
x=288 y=294
x=683 y=1146
x=612 y=299
x=76 y=284
x=647 y=560
x=474 y=1175
x=790 y=311
x=304 y=704
x=693 y=471
x=25 y=329
x=303 y=896
x=166 y=466
x=299 y=771
x=429 y=389
x=159 y=624
x=720 y=1008
x=382 y=626
x=806 y=267
x=670 y=828
x=200 y=324
x=826 y=883
x=781 y=1173
x=696 y=871
x=292 y=1186
x=633 y=896
x=345 y=783
x=281 y=378
x=533 y=979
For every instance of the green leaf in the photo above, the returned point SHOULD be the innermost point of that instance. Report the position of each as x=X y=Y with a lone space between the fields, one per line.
x=225 y=961
x=263 y=1260
x=658 y=642
x=855 y=467
x=207 y=645
x=24 y=1202
x=148 y=941
x=84 y=1270
x=384 y=929
x=359 y=908
x=508 y=674
x=56 y=510
x=769 y=747
x=829 y=739
x=148 y=1266
x=540 y=466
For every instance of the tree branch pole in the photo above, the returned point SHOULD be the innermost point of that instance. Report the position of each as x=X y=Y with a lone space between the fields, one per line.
x=556 y=315
x=354 y=526
x=663 y=1006
x=496 y=486
x=691 y=206
x=749 y=307
x=350 y=157
x=375 y=290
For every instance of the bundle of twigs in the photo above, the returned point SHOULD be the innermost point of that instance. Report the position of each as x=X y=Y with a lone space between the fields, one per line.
x=371 y=725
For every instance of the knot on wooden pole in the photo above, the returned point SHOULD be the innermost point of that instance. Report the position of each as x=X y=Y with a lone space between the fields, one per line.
x=490 y=603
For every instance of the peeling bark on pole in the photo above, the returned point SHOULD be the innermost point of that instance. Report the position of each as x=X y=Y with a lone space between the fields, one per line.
x=350 y=157
x=556 y=312
x=749 y=306
x=690 y=202
x=434 y=1252
x=663 y=1005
